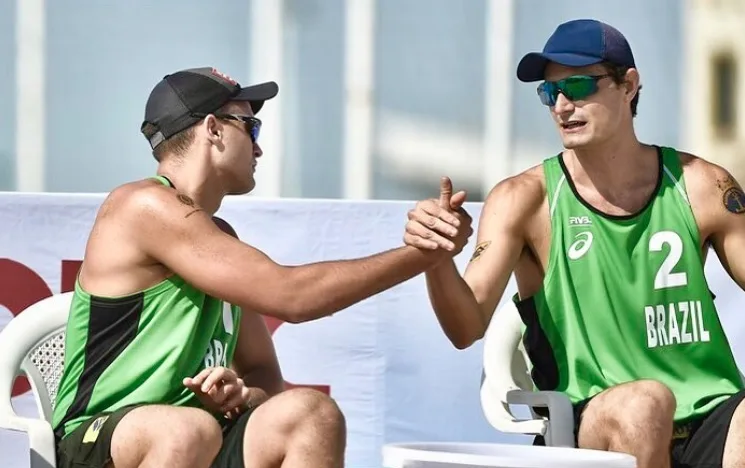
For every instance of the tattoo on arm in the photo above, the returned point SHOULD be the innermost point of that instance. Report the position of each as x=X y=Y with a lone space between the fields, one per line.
x=479 y=250
x=733 y=197
x=186 y=200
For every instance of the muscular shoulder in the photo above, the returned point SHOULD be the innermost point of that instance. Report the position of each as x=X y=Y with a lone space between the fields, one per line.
x=707 y=182
x=147 y=200
x=520 y=197
x=144 y=200
x=712 y=191
x=148 y=216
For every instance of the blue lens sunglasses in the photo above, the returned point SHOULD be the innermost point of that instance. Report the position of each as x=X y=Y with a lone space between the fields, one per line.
x=573 y=88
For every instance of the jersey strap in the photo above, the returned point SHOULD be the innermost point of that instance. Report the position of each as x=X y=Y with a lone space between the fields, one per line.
x=163 y=180
x=555 y=180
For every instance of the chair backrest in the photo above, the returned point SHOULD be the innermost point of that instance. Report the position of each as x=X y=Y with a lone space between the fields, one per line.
x=33 y=343
x=506 y=368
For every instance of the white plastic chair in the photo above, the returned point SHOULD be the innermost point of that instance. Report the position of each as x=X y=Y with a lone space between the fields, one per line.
x=506 y=381
x=33 y=343
x=480 y=455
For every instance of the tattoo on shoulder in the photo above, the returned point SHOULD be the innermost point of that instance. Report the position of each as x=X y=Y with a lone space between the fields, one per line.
x=188 y=201
x=733 y=197
x=479 y=250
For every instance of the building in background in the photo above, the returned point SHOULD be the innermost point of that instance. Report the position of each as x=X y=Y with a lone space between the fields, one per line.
x=423 y=87
x=713 y=98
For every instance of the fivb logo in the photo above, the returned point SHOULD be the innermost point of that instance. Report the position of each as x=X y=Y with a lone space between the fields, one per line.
x=580 y=221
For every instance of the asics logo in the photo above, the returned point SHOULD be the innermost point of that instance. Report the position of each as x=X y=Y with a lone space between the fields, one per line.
x=580 y=246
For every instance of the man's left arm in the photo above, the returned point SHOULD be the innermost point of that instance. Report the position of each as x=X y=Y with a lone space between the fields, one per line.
x=720 y=207
x=255 y=359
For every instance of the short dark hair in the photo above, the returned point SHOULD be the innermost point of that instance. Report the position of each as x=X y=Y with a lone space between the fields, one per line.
x=176 y=145
x=618 y=75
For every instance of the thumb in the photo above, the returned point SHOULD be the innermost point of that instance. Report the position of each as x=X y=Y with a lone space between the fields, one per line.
x=189 y=383
x=446 y=190
x=457 y=200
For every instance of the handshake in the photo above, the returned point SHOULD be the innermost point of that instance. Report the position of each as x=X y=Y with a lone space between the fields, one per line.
x=440 y=225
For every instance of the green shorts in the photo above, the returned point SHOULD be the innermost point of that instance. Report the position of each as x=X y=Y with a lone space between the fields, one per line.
x=89 y=446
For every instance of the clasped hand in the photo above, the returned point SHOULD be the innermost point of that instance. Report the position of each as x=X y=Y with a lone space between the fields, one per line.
x=440 y=224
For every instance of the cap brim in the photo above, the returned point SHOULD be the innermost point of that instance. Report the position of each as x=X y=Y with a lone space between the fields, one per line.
x=257 y=94
x=532 y=67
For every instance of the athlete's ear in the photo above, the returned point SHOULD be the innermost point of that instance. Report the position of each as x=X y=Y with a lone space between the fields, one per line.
x=632 y=83
x=212 y=128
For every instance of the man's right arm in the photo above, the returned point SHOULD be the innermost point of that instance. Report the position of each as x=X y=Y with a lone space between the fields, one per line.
x=464 y=305
x=190 y=244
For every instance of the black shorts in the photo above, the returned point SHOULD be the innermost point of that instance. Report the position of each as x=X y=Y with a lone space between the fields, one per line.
x=696 y=444
x=89 y=446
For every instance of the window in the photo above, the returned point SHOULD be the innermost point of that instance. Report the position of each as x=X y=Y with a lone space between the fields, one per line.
x=724 y=96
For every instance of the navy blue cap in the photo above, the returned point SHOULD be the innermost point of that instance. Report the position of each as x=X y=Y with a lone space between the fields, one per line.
x=578 y=43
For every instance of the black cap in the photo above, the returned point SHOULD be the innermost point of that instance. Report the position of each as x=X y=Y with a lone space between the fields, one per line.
x=174 y=101
x=578 y=43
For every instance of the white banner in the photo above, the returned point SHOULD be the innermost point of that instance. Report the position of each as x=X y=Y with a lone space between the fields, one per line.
x=385 y=360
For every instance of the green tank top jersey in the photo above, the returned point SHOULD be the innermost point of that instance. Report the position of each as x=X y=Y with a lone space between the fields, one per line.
x=134 y=350
x=625 y=298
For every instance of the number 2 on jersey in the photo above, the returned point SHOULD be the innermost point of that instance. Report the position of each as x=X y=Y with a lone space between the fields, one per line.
x=665 y=277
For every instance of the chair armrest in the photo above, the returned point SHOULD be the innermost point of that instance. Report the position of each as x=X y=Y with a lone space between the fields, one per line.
x=40 y=438
x=498 y=414
x=560 y=430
